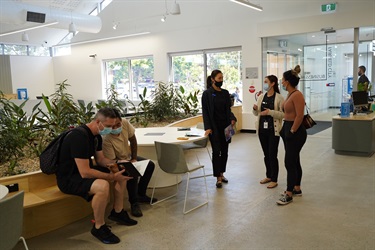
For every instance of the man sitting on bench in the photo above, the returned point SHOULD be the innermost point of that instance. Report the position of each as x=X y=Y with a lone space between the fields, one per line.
x=78 y=175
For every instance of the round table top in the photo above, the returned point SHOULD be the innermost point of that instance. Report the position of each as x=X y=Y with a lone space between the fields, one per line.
x=147 y=136
x=3 y=191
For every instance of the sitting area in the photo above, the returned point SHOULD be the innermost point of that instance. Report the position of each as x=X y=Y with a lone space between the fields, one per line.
x=45 y=207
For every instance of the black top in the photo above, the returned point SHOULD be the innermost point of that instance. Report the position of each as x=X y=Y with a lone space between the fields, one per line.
x=77 y=145
x=220 y=101
x=268 y=102
x=363 y=78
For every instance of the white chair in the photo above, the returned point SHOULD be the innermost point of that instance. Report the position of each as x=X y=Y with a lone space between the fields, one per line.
x=11 y=221
x=171 y=159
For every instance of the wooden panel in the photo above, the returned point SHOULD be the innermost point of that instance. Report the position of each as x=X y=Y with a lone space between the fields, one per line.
x=23 y=182
x=189 y=122
x=31 y=200
x=50 y=216
x=41 y=181
x=51 y=194
x=10 y=96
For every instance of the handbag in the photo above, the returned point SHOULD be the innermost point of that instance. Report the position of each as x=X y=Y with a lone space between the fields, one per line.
x=308 y=121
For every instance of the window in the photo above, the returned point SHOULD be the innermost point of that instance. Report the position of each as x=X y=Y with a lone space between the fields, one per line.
x=190 y=70
x=39 y=51
x=15 y=50
x=130 y=77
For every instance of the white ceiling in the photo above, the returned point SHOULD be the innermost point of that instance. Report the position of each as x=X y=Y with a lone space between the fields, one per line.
x=135 y=16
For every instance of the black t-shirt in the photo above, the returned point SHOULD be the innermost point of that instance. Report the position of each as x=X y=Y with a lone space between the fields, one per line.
x=363 y=79
x=77 y=144
x=268 y=102
x=220 y=111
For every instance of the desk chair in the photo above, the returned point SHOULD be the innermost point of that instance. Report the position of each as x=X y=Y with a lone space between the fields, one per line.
x=11 y=221
x=200 y=144
x=172 y=160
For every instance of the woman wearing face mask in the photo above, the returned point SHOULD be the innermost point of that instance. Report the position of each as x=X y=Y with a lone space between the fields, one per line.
x=270 y=115
x=293 y=133
x=217 y=116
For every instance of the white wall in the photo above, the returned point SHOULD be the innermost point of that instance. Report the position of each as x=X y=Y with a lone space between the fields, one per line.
x=218 y=27
x=34 y=73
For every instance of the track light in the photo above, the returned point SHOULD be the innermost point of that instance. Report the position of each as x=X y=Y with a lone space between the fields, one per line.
x=72 y=28
x=248 y=4
x=163 y=18
x=25 y=37
x=175 y=9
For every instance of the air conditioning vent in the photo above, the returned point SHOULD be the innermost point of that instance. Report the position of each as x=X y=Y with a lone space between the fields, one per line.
x=35 y=17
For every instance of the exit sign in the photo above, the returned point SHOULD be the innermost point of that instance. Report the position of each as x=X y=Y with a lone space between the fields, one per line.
x=329 y=7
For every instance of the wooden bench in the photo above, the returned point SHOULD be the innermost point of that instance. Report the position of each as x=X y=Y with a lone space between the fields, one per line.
x=46 y=208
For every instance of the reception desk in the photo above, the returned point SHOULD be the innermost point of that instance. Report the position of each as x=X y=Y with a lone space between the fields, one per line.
x=354 y=135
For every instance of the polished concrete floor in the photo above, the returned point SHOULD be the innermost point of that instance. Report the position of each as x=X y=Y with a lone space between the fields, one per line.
x=336 y=211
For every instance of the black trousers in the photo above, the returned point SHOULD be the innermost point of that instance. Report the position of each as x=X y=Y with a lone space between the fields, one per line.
x=270 y=146
x=293 y=144
x=219 y=150
x=136 y=187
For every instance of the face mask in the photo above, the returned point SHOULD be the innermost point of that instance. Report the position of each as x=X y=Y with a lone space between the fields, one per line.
x=105 y=131
x=266 y=87
x=359 y=73
x=284 y=87
x=218 y=84
x=116 y=131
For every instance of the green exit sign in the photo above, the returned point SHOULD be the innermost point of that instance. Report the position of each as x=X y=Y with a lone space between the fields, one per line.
x=329 y=7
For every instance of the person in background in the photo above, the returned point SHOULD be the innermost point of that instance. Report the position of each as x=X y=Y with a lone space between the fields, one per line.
x=116 y=147
x=293 y=134
x=236 y=95
x=77 y=174
x=269 y=122
x=363 y=81
x=217 y=115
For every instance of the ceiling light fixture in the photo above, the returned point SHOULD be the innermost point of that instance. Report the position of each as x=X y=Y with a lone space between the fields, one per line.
x=175 y=9
x=26 y=29
x=163 y=18
x=25 y=37
x=102 y=39
x=248 y=4
x=72 y=28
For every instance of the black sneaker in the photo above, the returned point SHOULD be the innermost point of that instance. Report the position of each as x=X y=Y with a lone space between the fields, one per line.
x=105 y=235
x=136 y=210
x=295 y=193
x=122 y=218
x=146 y=199
x=285 y=200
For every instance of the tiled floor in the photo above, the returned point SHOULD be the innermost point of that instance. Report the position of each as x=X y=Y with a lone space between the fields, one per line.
x=336 y=211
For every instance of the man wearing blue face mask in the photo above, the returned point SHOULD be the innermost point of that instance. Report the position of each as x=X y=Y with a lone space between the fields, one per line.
x=116 y=147
x=78 y=175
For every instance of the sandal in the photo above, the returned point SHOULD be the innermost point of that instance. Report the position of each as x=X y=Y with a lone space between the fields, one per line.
x=219 y=184
x=272 y=185
x=265 y=180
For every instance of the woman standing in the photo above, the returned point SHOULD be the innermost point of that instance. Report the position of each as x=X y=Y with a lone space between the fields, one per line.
x=293 y=133
x=270 y=115
x=217 y=116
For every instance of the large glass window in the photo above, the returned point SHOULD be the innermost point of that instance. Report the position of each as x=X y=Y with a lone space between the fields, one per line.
x=130 y=77
x=15 y=49
x=190 y=70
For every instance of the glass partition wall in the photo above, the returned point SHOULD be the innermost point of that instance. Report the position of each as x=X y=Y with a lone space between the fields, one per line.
x=326 y=60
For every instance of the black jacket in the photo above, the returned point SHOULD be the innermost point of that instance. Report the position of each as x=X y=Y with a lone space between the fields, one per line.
x=208 y=109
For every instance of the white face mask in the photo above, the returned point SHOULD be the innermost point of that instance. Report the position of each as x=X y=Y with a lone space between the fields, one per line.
x=266 y=87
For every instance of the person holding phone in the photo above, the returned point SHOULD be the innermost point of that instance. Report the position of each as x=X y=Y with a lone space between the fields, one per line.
x=121 y=144
x=269 y=122
x=217 y=115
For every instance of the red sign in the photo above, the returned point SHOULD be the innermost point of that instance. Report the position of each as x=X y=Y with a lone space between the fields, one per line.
x=252 y=89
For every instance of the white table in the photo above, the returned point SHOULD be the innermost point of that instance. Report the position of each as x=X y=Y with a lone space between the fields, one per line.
x=3 y=191
x=146 y=147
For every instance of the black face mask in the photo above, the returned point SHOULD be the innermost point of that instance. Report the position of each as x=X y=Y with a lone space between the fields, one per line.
x=218 y=84
x=359 y=74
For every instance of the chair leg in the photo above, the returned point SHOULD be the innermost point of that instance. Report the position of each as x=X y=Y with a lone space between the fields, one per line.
x=200 y=164
x=186 y=194
x=24 y=242
x=153 y=190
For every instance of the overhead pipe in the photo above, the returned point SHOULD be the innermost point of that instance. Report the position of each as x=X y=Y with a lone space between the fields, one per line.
x=15 y=13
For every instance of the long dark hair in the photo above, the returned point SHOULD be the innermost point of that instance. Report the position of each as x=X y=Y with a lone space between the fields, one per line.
x=273 y=79
x=212 y=76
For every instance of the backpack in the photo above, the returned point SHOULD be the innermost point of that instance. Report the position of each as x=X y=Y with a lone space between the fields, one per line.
x=49 y=158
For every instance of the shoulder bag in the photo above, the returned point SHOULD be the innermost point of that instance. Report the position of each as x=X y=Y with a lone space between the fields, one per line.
x=308 y=121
